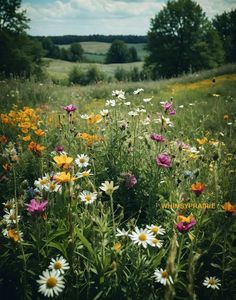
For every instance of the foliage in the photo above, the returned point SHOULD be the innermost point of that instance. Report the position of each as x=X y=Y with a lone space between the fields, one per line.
x=91 y=76
x=19 y=54
x=181 y=39
x=118 y=52
x=121 y=146
x=225 y=24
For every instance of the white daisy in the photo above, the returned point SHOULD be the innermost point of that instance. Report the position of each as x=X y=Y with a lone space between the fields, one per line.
x=138 y=91
x=146 y=100
x=88 y=197
x=132 y=113
x=127 y=103
x=212 y=282
x=119 y=94
x=141 y=237
x=59 y=264
x=156 y=243
x=42 y=182
x=108 y=187
x=163 y=277
x=9 y=204
x=156 y=229
x=85 y=117
x=52 y=187
x=111 y=103
x=82 y=160
x=10 y=217
x=104 y=112
x=122 y=232
x=84 y=174
x=51 y=283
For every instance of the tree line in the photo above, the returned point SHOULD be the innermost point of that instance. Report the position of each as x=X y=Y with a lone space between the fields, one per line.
x=69 y=39
x=181 y=39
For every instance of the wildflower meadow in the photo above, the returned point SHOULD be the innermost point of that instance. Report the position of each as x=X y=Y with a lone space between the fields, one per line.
x=120 y=191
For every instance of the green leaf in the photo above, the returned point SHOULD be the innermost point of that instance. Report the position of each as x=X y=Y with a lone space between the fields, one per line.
x=86 y=243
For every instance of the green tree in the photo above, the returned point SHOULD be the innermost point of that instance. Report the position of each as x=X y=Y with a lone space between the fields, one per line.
x=133 y=55
x=19 y=54
x=118 y=52
x=77 y=52
x=225 y=24
x=181 y=39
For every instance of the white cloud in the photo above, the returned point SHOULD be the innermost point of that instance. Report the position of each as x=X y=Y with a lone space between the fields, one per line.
x=102 y=16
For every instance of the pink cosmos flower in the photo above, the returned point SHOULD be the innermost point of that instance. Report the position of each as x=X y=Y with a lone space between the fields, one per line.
x=172 y=112
x=70 y=108
x=157 y=137
x=163 y=160
x=131 y=180
x=167 y=106
x=184 y=226
x=36 y=206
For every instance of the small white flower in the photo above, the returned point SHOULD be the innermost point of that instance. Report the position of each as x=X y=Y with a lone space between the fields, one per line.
x=146 y=121
x=156 y=243
x=88 y=197
x=85 y=173
x=141 y=237
x=122 y=232
x=221 y=133
x=10 y=217
x=229 y=123
x=59 y=264
x=127 y=103
x=140 y=110
x=108 y=187
x=119 y=94
x=41 y=183
x=85 y=117
x=146 y=100
x=212 y=282
x=82 y=160
x=181 y=106
x=156 y=229
x=52 y=187
x=138 y=91
x=163 y=277
x=132 y=113
x=104 y=112
x=51 y=283
x=191 y=104
x=111 y=103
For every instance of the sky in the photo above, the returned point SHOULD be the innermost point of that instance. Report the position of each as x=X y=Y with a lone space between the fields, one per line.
x=84 y=17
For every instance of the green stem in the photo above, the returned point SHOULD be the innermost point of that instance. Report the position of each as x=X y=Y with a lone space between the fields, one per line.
x=113 y=217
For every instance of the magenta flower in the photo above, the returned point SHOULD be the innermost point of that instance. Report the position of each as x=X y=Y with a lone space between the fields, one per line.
x=157 y=137
x=163 y=160
x=131 y=180
x=172 y=112
x=70 y=108
x=59 y=149
x=167 y=106
x=36 y=206
x=184 y=226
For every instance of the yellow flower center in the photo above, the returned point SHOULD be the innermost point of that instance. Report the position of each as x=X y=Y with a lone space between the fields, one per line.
x=212 y=282
x=154 y=229
x=85 y=174
x=155 y=241
x=51 y=282
x=164 y=274
x=57 y=265
x=88 y=197
x=43 y=181
x=142 y=237
x=82 y=160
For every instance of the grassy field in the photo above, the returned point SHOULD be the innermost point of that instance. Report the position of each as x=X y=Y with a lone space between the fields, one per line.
x=147 y=213
x=96 y=51
x=59 y=69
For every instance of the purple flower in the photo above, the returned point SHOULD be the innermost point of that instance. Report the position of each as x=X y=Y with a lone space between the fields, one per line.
x=157 y=137
x=172 y=112
x=70 y=108
x=131 y=180
x=163 y=160
x=36 y=206
x=184 y=226
x=167 y=106
x=59 y=149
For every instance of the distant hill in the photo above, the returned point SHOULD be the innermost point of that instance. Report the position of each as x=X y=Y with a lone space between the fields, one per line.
x=69 y=39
